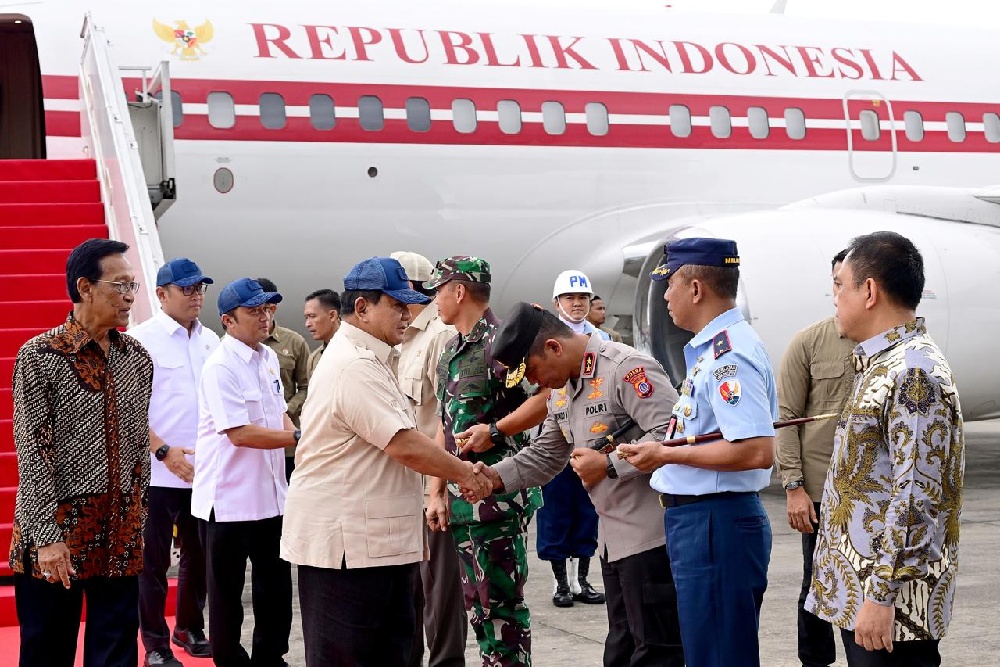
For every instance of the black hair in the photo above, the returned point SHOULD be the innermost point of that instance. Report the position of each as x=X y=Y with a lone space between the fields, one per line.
x=326 y=297
x=893 y=262
x=839 y=258
x=723 y=280
x=596 y=297
x=267 y=284
x=550 y=327
x=85 y=262
x=349 y=296
x=480 y=292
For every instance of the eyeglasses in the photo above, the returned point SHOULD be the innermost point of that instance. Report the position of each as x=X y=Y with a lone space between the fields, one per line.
x=188 y=290
x=122 y=287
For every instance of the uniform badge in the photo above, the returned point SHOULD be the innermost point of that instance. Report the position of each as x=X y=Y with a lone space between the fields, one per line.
x=671 y=425
x=595 y=384
x=720 y=344
x=560 y=403
x=589 y=365
x=637 y=378
x=680 y=427
x=723 y=372
x=687 y=387
x=730 y=391
x=598 y=427
x=695 y=371
x=687 y=410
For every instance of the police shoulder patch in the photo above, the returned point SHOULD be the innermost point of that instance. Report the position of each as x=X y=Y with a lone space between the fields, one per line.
x=720 y=344
x=637 y=378
x=730 y=391
x=589 y=365
x=723 y=372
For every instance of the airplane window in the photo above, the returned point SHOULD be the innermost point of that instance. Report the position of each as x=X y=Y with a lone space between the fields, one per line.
x=221 y=112
x=913 y=123
x=322 y=113
x=795 y=123
x=553 y=117
x=680 y=120
x=272 y=111
x=991 y=123
x=370 y=113
x=956 y=126
x=597 y=119
x=176 y=105
x=722 y=124
x=759 y=126
x=869 y=125
x=509 y=112
x=463 y=116
x=418 y=114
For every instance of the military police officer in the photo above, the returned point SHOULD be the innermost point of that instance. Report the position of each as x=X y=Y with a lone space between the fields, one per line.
x=718 y=533
x=605 y=393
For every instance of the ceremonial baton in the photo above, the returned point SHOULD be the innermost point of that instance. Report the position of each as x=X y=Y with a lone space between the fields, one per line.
x=715 y=435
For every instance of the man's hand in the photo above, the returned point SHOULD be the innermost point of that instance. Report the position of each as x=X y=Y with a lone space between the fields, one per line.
x=476 y=439
x=873 y=627
x=486 y=474
x=801 y=511
x=438 y=512
x=54 y=561
x=177 y=463
x=590 y=465
x=645 y=456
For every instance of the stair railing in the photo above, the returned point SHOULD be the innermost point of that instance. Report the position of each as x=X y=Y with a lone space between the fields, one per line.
x=110 y=139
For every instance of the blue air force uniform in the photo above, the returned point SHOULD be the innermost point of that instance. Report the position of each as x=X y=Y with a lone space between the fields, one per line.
x=718 y=534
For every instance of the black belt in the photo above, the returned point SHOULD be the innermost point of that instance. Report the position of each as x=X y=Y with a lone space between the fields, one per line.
x=673 y=500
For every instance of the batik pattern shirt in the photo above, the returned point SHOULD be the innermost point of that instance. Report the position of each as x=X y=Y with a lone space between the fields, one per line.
x=81 y=430
x=889 y=520
x=472 y=390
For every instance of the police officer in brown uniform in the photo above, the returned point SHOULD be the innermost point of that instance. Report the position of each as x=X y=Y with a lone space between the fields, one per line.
x=613 y=394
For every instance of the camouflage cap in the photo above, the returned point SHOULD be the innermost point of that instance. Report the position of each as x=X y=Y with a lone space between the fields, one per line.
x=459 y=267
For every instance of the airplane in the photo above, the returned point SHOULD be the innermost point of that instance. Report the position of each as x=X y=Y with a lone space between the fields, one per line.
x=309 y=136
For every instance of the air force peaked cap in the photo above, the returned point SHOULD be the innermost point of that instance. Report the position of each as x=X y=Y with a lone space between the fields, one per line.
x=514 y=337
x=700 y=251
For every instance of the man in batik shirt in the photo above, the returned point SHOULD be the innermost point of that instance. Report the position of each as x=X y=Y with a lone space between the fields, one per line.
x=886 y=558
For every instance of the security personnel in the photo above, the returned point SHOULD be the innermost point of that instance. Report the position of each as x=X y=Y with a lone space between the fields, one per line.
x=567 y=521
x=718 y=533
x=611 y=390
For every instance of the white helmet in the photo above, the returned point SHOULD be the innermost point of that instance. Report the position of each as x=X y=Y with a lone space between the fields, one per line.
x=572 y=282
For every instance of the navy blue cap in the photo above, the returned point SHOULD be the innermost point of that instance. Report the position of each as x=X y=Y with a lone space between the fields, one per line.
x=700 y=251
x=245 y=292
x=383 y=274
x=181 y=272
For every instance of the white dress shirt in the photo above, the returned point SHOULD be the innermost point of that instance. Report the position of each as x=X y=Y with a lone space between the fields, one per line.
x=239 y=386
x=177 y=362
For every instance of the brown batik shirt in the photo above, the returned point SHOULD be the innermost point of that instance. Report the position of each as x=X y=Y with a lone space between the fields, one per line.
x=81 y=430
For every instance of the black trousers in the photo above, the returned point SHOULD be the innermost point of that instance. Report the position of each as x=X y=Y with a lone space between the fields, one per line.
x=921 y=653
x=228 y=546
x=357 y=618
x=439 y=605
x=817 y=647
x=643 y=629
x=167 y=508
x=50 y=621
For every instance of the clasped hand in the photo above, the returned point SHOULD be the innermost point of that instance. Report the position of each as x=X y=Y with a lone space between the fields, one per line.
x=482 y=483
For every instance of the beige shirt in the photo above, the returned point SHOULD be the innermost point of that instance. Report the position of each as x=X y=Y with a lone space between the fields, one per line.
x=419 y=353
x=815 y=378
x=349 y=503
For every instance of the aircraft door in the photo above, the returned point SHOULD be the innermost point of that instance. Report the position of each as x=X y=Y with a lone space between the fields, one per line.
x=871 y=136
x=22 y=116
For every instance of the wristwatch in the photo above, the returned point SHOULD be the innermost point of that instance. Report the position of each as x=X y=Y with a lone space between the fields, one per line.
x=495 y=435
x=612 y=472
x=161 y=452
x=791 y=486
x=297 y=435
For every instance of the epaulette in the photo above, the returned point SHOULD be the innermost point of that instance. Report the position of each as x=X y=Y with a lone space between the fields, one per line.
x=720 y=344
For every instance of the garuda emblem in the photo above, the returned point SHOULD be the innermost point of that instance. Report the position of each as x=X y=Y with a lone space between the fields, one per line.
x=187 y=42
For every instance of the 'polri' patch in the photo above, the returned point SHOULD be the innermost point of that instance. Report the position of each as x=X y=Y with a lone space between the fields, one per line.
x=637 y=378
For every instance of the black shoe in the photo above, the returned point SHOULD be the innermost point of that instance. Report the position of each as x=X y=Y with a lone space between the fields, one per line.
x=562 y=596
x=193 y=642
x=164 y=657
x=587 y=594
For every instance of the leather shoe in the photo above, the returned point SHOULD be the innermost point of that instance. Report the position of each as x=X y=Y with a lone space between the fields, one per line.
x=587 y=594
x=161 y=658
x=562 y=597
x=192 y=641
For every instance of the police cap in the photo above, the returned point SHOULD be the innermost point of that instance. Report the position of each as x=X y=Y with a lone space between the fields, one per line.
x=700 y=251
x=514 y=338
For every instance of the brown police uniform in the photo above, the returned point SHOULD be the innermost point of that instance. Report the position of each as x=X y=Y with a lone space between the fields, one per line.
x=314 y=360
x=617 y=385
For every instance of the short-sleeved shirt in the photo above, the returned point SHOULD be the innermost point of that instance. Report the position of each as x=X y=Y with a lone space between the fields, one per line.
x=239 y=386
x=730 y=388
x=81 y=431
x=177 y=362
x=472 y=390
x=293 y=358
x=314 y=361
x=350 y=504
x=618 y=388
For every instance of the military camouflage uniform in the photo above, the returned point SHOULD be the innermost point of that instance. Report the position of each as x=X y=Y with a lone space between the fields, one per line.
x=490 y=534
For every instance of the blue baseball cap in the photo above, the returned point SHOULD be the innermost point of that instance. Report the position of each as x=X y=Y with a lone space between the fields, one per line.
x=383 y=274
x=245 y=292
x=700 y=251
x=181 y=272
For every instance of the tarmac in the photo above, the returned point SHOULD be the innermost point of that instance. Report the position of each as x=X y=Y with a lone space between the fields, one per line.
x=575 y=636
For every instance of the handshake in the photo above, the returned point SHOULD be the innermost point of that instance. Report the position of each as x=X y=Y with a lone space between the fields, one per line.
x=479 y=482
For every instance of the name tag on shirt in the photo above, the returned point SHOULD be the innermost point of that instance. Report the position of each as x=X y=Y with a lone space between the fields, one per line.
x=277 y=386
